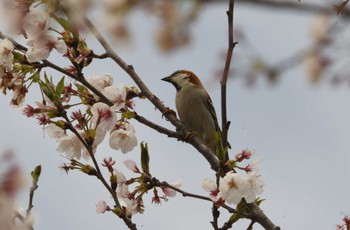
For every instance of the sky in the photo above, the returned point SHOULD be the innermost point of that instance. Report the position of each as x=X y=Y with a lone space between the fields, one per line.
x=299 y=130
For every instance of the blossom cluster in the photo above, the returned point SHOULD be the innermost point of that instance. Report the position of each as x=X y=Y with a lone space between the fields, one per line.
x=132 y=202
x=234 y=186
x=345 y=225
x=92 y=125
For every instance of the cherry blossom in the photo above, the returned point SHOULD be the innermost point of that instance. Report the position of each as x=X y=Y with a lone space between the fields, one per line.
x=71 y=146
x=131 y=206
x=100 y=82
x=123 y=138
x=123 y=191
x=117 y=95
x=101 y=207
x=40 y=47
x=210 y=186
x=36 y=22
x=120 y=177
x=54 y=131
x=171 y=192
x=103 y=116
x=231 y=186
x=254 y=187
x=6 y=56
x=130 y=164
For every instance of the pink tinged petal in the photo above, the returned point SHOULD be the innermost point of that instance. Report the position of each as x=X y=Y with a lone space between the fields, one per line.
x=61 y=46
x=40 y=47
x=130 y=205
x=210 y=186
x=71 y=146
x=117 y=95
x=171 y=192
x=103 y=116
x=130 y=164
x=123 y=191
x=6 y=56
x=123 y=139
x=120 y=177
x=36 y=22
x=54 y=131
x=101 y=207
x=100 y=82
x=35 y=54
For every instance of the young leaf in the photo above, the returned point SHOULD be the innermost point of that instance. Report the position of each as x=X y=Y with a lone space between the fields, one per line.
x=60 y=87
x=63 y=22
x=144 y=157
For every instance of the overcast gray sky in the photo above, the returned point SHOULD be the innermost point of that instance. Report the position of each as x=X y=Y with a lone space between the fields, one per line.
x=301 y=132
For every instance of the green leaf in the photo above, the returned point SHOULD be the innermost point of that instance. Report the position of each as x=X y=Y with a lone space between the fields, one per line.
x=36 y=174
x=36 y=77
x=235 y=217
x=60 y=87
x=63 y=22
x=81 y=88
x=220 y=150
x=128 y=115
x=144 y=157
x=47 y=91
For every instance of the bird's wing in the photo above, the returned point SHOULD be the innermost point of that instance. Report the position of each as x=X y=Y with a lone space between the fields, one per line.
x=211 y=109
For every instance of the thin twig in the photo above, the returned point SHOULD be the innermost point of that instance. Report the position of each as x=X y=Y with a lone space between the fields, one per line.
x=223 y=82
x=156 y=127
x=216 y=213
x=31 y=196
x=182 y=192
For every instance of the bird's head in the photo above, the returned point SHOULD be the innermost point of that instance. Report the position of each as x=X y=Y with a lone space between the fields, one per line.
x=183 y=78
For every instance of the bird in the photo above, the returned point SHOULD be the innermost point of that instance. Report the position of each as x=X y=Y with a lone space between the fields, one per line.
x=194 y=106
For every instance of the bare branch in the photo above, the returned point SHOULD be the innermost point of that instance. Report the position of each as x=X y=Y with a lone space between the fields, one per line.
x=223 y=82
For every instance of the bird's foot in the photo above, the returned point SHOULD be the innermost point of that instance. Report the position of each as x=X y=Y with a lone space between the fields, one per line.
x=168 y=111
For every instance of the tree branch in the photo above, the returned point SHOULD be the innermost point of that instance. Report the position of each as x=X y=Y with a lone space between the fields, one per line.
x=223 y=82
x=156 y=127
x=296 y=6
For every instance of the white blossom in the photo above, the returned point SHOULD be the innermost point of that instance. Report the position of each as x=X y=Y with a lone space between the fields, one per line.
x=71 y=146
x=36 y=22
x=54 y=131
x=231 y=186
x=130 y=164
x=210 y=186
x=171 y=192
x=117 y=95
x=101 y=206
x=254 y=187
x=103 y=116
x=40 y=47
x=6 y=56
x=123 y=191
x=123 y=138
x=120 y=177
x=129 y=205
x=100 y=82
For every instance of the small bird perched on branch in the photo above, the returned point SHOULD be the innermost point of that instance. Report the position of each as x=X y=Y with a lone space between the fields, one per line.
x=194 y=106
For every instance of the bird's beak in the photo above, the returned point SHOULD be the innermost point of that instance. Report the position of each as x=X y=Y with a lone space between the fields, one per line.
x=168 y=79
